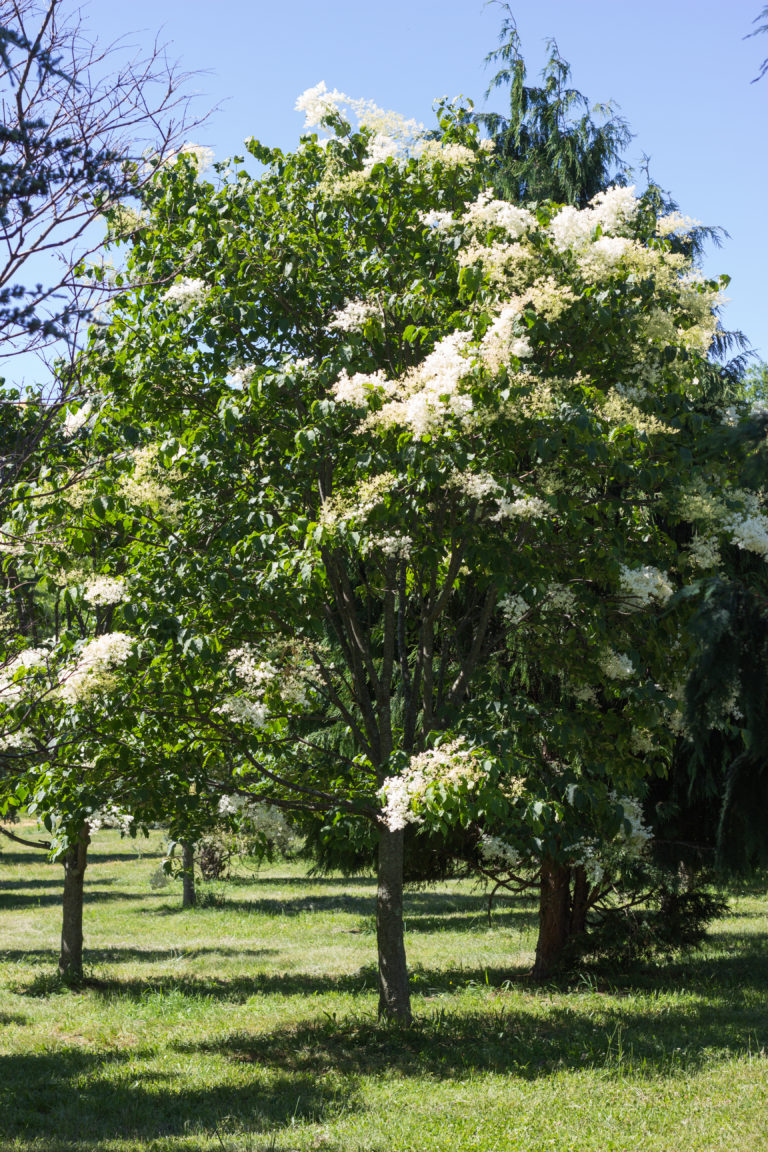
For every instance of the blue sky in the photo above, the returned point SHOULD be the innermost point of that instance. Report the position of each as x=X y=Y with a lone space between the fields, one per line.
x=679 y=70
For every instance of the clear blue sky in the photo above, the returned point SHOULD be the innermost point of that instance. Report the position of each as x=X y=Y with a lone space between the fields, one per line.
x=680 y=71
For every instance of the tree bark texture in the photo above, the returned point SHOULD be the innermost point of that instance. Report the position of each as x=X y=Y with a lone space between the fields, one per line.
x=75 y=862
x=394 y=988
x=188 y=897
x=554 y=917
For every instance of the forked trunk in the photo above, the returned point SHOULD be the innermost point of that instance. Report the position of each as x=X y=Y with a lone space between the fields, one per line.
x=188 y=896
x=71 y=955
x=554 y=917
x=394 y=989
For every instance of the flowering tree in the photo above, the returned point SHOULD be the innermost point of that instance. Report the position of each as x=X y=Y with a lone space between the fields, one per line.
x=408 y=477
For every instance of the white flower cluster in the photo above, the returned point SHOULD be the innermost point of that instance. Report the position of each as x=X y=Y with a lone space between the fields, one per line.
x=105 y=590
x=704 y=552
x=14 y=673
x=396 y=545
x=673 y=222
x=186 y=294
x=291 y=683
x=501 y=342
x=430 y=391
x=617 y=666
x=353 y=316
x=143 y=486
x=263 y=820
x=110 y=816
x=74 y=421
x=358 y=388
x=497 y=853
x=610 y=211
x=93 y=669
x=644 y=586
x=486 y=213
x=480 y=487
x=198 y=153
x=749 y=532
x=513 y=608
x=241 y=376
x=449 y=155
x=635 y=837
x=393 y=135
x=453 y=764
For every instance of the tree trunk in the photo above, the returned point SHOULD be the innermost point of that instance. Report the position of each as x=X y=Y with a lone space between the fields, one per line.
x=579 y=901
x=554 y=917
x=75 y=862
x=188 y=898
x=394 y=989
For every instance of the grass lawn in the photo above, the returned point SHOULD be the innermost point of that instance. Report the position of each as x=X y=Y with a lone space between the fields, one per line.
x=250 y=1024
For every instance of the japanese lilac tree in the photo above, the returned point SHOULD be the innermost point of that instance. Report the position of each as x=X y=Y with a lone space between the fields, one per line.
x=427 y=471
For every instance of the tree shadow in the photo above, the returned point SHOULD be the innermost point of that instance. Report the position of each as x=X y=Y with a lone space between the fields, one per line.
x=134 y=955
x=623 y=1039
x=71 y=1092
x=11 y=900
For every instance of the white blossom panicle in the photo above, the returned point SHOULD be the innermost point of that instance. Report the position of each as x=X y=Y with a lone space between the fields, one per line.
x=74 y=421
x=357 y=389
x=396 y=545
x=501 y=343
x=353 y=316
x=110 y=816
x=611 y=211
x=186 y=294
x=637 y=835
x=487 y=145
x=749 y=532
x=449 y=155
x=289 y=683
x=93 y=668
x=440 y=221
x=241 y=376
x=105 y=590
x=704 y=551
x=22 y=740
x=486 y=212
x=497 y=853
x=264 y=820
x=393 y=135
x=561 y=597
x=644 y=586
x=430 y=392
x=514 y=608
x=243 y=710
x=673 y=222
x=201 y=155
x=523 y=507
x=14 y=673
x=454 y=764
x=617 y=666
x=143 y=486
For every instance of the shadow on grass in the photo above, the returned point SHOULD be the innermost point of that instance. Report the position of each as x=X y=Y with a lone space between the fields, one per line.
x=11 y=900
x=423 y=911
x=87 y=1098
x=133 y=955
x=445 y=1043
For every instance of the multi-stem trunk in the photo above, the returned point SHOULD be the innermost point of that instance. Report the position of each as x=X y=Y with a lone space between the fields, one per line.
x=554 y=917
x=394 y=989
x=75 y=861
x=188 y=896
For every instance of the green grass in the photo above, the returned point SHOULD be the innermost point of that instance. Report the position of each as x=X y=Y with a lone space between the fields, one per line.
x=249 y=1024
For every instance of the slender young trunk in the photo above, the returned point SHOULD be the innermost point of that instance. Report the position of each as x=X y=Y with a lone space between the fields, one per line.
x=394 y=988
x=71 y=955
x=554 y=917
x=188 y=897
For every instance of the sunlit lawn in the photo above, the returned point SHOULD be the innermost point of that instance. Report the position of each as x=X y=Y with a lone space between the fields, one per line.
x=249 y=1023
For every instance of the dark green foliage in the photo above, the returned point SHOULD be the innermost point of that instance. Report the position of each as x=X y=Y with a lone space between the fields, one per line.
x=550 y=146
x=672 y=921
x=731 y=626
